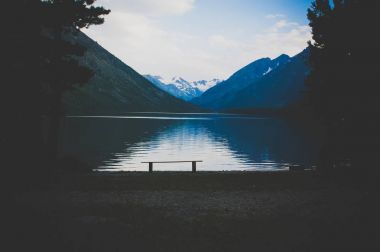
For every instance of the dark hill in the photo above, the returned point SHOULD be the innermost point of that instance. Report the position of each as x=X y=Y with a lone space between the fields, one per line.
x=216 y=97
x=115 y=87
x=281 y=88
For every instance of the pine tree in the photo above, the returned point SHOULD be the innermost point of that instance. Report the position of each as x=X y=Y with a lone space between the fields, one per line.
x=63 y=18
x=39 y=64
x=344 y=79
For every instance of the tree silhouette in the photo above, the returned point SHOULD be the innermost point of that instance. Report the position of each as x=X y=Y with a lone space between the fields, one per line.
x=63 y=18
x=40 y=63
x=343 y=80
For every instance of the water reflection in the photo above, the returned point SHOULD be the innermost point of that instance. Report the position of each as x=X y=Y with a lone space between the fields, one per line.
x=223 y=142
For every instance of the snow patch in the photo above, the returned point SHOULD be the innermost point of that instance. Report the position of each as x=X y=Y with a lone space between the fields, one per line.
x=268 y=71
x=190 y=89
x=203 y=85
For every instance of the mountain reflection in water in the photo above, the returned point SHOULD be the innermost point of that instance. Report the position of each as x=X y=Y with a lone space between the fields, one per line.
x=224 y=142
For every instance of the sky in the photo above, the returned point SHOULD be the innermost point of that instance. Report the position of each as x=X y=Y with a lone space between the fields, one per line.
x=201 y=39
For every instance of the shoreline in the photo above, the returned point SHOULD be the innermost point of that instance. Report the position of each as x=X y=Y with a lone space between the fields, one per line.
x=184 y=211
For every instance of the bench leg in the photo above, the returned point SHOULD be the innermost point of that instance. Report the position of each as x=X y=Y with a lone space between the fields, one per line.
x=194 y=166
x=150 y=167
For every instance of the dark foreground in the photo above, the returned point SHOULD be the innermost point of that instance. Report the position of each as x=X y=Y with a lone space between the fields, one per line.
x=195 y=212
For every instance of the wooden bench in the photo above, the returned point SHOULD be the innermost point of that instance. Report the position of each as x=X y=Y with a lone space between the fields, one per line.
x=193 y=162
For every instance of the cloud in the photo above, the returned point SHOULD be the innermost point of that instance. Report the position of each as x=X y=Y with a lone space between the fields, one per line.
x=151 y=7
x=283 y=24
x=219 y=40
x=283 y=37
x=275 y=16
x=140 y=40
x=142 y=43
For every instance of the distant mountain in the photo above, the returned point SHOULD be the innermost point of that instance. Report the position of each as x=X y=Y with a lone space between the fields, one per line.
x=222 y=93
x=115 y=87
x=182 y=88
x=281 y=88
x=204 y=85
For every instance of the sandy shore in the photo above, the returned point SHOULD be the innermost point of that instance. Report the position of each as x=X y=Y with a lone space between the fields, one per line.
x=168 y=211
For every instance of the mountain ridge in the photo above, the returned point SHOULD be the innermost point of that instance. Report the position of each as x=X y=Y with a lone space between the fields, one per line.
x=181 y=88
x=116 y=87
x=217 y=95
x=282 y=88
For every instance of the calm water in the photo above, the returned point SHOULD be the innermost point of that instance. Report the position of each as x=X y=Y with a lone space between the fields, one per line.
x=223 y=142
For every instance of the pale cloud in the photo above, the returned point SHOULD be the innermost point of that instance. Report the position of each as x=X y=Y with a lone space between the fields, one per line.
x=274 y=16
x=283 y=37
x=283 y=24
x=280 y=24
x=288 y=38
x=141 y=41
x=218 y=40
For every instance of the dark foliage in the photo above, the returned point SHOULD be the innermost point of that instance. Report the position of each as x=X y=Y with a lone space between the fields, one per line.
x=344 y=79
x=39 y=65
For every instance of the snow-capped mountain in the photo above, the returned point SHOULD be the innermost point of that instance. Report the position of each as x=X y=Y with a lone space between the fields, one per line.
x=182 y=88
x=203 y=85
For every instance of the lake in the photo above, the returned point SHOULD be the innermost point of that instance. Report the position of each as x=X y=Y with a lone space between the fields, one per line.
x=224 y=142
